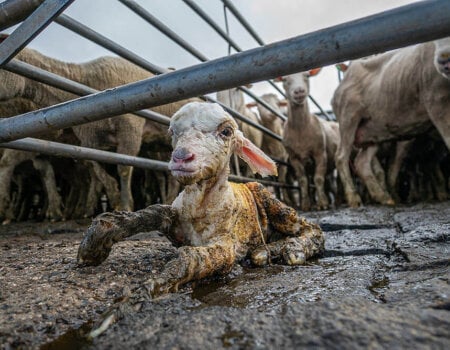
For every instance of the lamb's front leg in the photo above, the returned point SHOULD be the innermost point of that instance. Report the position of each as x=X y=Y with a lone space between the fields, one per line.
x=300 y=239
x=193 y=263
x=292 y=250
x=109 y=228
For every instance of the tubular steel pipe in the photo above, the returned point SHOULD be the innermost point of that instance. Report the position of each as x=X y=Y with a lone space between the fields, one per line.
x=414 y=23
x=57 y=149
x=49 y=78
x=65 y=150
x=262 y=102
x=31 y=27
x=243 y=21
x=99 y=39
x=15 y=11
x=140 y=11
x=258 y=39
x=90 y=34
x=198 y=10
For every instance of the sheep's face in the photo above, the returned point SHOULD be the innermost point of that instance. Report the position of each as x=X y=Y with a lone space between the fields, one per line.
x=296 y=87
x=266 y=115
x=442 y=57
x=203 y=138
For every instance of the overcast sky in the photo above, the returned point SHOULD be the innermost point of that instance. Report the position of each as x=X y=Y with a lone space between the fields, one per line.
x=272 y=20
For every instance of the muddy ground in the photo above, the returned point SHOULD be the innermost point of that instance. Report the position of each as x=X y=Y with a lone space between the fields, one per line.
x=383 y=282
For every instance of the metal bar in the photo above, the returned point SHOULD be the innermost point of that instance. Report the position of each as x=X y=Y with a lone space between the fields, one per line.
x=99 y=39
x=65 y=150
x=49 y=78
x=414 y=23
x=198 y=10
x=243 y=21
x=263 y=103
x=31 y=27
x=90 y=34
x=140 y=11
x=15 y=11
x=325 y=114
x=57 y=149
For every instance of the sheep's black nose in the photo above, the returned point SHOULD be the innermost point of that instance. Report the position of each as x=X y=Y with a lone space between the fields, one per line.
x=182 y=155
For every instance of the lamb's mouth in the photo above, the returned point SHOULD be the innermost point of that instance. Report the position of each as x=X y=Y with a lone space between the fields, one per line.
x=181 y=171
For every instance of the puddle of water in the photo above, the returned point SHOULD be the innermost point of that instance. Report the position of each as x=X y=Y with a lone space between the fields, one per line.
x=73 y=339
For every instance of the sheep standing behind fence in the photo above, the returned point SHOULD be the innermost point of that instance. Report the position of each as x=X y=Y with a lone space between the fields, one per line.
x=308 y=138
x=122 y=133
x=389 y=97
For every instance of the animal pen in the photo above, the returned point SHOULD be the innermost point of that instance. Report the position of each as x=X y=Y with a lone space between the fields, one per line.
x=419 y=22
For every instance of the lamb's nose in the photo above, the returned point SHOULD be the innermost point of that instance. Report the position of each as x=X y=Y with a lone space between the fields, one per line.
x=181 y=155
x=299 y=91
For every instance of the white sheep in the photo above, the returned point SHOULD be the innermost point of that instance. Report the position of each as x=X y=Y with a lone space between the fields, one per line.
x=308 y=139
x=213 y=222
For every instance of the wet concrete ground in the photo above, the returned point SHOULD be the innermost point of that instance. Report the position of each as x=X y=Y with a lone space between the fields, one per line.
x=383 y=282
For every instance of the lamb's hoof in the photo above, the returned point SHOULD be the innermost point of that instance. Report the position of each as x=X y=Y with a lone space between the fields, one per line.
x=294 y=258
x=390 y=202
x=260 y=257
x=354 y=201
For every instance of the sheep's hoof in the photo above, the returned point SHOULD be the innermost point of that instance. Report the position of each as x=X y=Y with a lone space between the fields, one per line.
x=294 y=258
x=354 y=201
x=260 y=257
x=390 y=202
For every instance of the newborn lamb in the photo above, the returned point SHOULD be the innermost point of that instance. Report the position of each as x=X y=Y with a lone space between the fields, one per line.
x=214 y=222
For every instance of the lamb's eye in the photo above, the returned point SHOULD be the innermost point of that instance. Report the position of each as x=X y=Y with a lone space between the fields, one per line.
x=226 y=132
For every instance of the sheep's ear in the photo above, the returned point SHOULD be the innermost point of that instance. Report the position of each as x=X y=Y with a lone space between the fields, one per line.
x=342 y=67
x=250 y=105
x=278 y=79
x=282 y=103
x=315 y=71
x=258 y=161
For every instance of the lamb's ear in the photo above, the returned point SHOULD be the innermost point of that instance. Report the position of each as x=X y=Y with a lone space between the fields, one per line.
x=258 y=161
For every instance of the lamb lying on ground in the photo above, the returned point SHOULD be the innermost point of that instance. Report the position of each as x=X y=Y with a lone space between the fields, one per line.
x=215 y=223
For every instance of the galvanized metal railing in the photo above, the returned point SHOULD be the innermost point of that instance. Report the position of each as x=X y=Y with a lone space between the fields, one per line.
x=418 y=22
x=411 y=24
x=228 y=4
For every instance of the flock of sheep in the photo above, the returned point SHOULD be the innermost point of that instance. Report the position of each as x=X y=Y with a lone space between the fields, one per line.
x=390 y=143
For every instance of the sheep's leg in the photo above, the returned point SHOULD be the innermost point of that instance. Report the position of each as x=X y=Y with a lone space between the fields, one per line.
x=438 y=182
x=319 y=180
x=110 y=184
x=292 y=250
x=401 y=150
x=347 y=128
x=303 y=182
x=8 y=162
x=53 y=211
x=109 y=228
x=193 y=263
x=287 y=223
x=126 y=197
x=363 y=165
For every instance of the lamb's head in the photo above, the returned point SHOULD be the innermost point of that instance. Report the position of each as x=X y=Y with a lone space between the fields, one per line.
x=296 y=85
x=442 y=57
x=204 y=137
